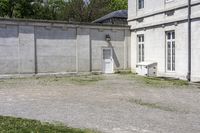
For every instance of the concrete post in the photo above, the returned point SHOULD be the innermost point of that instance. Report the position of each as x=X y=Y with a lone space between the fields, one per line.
x=83 y=48
x=26 y=50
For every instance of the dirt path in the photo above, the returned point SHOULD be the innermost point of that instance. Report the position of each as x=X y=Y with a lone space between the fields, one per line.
x=111 y=104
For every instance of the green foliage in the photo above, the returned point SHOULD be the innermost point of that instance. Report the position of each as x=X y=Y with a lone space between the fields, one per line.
x=97 y=9
x=23 y=8
x=40 y=12
x=118 y=5
x=17 y=125
x=75 y=10
x=70 y=10
x=3 y=8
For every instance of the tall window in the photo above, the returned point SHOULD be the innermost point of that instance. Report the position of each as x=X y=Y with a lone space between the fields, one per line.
x=140 y=4
x=170 y=50
x=140 y=48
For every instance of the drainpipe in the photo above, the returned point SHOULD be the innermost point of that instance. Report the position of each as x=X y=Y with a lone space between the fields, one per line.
x=189 y=41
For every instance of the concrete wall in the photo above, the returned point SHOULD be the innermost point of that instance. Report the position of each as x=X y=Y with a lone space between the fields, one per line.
x=56 y=49
x=9 y=49
x=154 y=25
x=31 y=47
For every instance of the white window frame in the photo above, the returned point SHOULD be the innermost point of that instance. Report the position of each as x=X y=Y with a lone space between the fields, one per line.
x=140 y=46
x=170 y=51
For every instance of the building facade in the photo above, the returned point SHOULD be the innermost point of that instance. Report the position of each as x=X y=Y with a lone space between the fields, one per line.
x=166 y=32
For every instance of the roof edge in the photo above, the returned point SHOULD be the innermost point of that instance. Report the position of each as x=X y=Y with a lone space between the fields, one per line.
x=61 y=22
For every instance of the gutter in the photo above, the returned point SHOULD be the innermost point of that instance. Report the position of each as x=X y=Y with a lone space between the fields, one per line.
x=189 y=41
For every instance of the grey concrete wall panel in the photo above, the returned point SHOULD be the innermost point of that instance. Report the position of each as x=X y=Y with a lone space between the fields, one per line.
x=83 y=50
x=56 y=49
x=26 y=49
x=9 y=52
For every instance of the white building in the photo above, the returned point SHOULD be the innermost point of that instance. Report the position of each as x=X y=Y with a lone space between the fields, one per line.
x=163 y=31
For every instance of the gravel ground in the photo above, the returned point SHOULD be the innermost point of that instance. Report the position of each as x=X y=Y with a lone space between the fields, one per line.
x=110 y=104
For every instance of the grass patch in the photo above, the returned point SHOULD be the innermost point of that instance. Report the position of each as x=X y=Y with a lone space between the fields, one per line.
x=157 y=82
x=123 y=72
x=18 y=125
x=84 y=80
x=152 y=105
x=53 y=80
x=77 y=80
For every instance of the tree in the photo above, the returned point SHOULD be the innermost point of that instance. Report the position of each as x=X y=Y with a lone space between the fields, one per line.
x=56 y=8
x=7 y=7
x=15 y=8
x=23 y=8
x=3 y=8
x=75 y=10
x=97 y=9
x=41 y=11
x=68 y=10
x=118 y=5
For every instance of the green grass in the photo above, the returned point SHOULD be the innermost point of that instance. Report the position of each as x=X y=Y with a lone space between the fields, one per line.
x=152 y=105
x=84 y=80
x=156 y=81
x=53 y=80
x=18 y=125
x=123 y=72
x=76 y=80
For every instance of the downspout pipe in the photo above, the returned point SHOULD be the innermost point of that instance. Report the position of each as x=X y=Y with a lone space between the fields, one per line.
x=189 y=41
